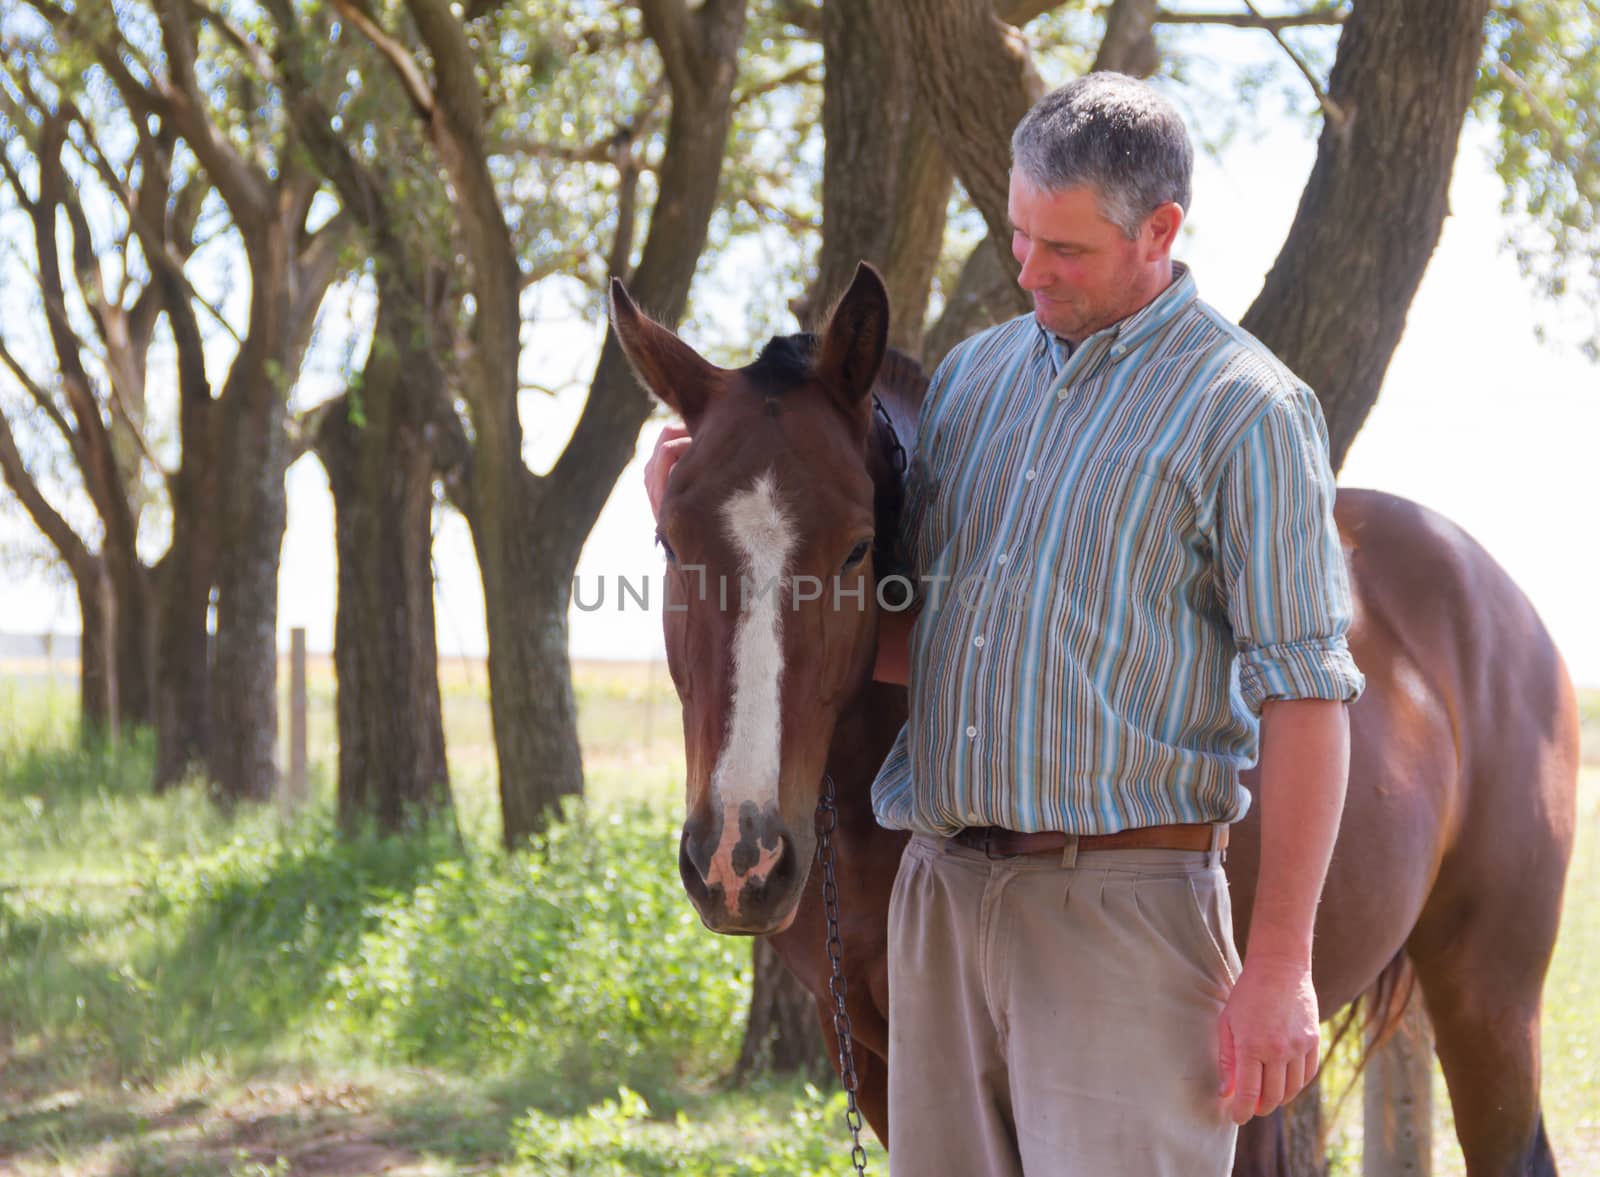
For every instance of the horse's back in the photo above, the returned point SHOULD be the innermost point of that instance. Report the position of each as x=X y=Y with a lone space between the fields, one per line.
x=1462 y=746
x=1429 y=597
x=1440 y=626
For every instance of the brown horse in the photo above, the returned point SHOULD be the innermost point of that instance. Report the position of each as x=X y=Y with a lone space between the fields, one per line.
x=1457 y=829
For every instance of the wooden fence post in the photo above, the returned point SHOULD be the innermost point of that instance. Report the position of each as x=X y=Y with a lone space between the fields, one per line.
x=1397 y=1100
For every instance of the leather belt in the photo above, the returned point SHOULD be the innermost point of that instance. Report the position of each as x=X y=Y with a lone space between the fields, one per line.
x=1002 y=843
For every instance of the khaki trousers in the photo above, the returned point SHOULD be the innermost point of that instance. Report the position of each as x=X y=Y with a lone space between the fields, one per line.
x=1055 y=1015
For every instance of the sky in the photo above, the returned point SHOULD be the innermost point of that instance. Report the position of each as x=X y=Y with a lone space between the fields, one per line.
x=1476 y=419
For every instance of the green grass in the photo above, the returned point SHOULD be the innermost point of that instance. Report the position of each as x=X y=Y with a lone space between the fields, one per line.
x=183 y=992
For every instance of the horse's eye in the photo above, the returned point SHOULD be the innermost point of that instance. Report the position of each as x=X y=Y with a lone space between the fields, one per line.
x=858 y=553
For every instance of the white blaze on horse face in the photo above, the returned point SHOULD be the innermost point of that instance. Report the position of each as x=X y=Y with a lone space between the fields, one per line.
x=747 y=765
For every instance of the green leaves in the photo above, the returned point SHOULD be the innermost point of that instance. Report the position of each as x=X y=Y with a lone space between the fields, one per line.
x=581 y=953
x=1540 y=87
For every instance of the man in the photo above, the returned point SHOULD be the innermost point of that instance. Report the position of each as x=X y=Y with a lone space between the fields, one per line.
x=1121 y=515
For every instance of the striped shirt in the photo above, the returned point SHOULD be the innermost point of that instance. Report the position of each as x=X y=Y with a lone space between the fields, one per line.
x=1122 y=552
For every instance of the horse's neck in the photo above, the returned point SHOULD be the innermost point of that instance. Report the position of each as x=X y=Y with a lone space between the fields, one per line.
x=867 y=726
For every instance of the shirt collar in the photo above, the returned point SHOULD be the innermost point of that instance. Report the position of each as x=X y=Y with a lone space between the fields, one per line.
x=1127 y=334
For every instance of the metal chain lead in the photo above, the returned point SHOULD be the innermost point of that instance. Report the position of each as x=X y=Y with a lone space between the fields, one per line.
x=897 y=454
x=827 y=820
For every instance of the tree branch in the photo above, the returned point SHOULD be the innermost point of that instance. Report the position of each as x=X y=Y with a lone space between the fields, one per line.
x=40 y=397
x=1129 y=45
x=667 y=23
x=802 y=15
x=627 y=221
x=1330 y=14
x=1020 y=12
x=243 y=185
x=252 y=50
x=1331 y=111
x=121 y=405
x=809 y=72
x=1541 y=112
x=399 y=58
x=45 y=517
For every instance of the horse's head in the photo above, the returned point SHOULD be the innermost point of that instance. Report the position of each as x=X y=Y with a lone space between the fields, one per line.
x=768 y=529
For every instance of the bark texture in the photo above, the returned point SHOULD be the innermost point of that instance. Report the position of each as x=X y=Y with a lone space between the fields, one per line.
x=379 y=458
x=885 y=184
x=977 y=81
x=378 y=445
x=1335 y=302
x=782 y=1036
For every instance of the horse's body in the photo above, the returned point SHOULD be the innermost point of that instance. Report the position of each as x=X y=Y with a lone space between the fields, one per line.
x=1453 y=846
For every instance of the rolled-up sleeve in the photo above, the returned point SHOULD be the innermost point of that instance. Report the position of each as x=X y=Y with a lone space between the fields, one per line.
x=1279 y=560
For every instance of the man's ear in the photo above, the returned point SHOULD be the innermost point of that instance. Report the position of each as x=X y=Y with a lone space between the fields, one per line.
x=678 y=375
x=854 y=340
x=1162 y=226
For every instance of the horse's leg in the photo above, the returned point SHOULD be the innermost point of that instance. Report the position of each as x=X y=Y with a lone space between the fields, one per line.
x=1482 y=992
x=872 y=1074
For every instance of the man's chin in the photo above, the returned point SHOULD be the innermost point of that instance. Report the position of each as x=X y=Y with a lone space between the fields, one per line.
x=1049 y=316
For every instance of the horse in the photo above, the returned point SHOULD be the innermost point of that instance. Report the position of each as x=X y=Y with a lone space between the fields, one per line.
x=1458 y=824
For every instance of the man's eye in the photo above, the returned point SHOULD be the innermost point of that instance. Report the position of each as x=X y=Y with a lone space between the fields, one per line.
x=666 y=548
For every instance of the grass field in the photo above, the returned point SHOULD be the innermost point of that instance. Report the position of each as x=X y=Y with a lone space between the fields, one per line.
x=188 y=993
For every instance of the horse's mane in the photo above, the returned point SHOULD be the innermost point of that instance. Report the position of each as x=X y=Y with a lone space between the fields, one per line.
x=899 y=388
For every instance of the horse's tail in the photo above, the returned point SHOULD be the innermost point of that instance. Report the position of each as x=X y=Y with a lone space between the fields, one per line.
x=1379 y=1012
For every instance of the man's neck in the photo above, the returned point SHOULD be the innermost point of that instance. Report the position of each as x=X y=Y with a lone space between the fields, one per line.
x=1154 y=282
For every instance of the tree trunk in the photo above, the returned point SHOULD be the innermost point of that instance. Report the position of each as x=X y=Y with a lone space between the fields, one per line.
x=391 y=735
x=986 y=293
x=526 y=588
x=885 y=185
x=529 y=531
x=977 y=81
x=1334 y=304
x=136 y=641
x=184 y=578
x=244 y=754
x=97 y=690
x=183 y=672
x=781 y=1037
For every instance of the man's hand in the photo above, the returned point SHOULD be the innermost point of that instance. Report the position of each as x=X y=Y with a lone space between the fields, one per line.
x=1269 y=1038
x=670 y=445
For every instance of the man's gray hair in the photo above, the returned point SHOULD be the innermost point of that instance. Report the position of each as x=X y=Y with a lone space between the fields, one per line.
x=1111 y=131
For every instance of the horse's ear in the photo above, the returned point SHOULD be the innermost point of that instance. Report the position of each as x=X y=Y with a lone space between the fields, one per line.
x=677 y=374
x=853 y=342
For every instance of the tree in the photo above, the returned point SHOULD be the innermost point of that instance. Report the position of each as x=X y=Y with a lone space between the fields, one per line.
x=1334 y=304
x=528 y=529
x=380 y=441
x=251 y=160
x=94 y=398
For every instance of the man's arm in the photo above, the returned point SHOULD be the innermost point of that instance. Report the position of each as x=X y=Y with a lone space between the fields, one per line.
x=1269 y=1033
x=1289 y=605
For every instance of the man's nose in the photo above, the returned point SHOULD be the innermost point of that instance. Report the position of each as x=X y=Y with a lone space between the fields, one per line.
x=1032 y=275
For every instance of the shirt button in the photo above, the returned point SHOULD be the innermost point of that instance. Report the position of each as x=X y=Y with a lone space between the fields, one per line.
x=1061 y=394
x=1001 y=558
x=978 y=641
x=1030 y=475
x=972 y=733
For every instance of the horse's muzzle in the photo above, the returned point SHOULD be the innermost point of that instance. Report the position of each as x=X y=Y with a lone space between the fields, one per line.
x=746 y=882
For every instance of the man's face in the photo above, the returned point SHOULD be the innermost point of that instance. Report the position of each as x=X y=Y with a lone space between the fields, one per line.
x=1083 y=273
